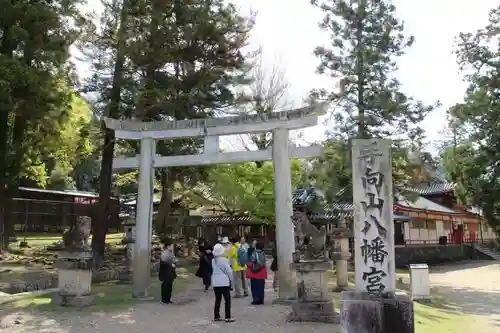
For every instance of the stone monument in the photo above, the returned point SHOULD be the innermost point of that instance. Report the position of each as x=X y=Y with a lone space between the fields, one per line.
x=74 y=266
x=374 y=306
x=341 y=254
x=279 y=123
x=311 y=263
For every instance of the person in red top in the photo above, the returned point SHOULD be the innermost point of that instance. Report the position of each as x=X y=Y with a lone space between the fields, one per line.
x=257 y=273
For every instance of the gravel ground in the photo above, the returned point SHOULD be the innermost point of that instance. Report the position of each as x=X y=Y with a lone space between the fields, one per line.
x=192 y=314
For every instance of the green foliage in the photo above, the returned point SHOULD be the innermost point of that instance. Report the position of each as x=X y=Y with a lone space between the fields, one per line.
x=332 y=172
x=35 y=37
x=70 y=146
x=366 y=38
x=471 y=157
x=242 y=189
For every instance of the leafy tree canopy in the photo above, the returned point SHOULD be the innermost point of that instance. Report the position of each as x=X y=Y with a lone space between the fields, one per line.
x=471 y=157
x=239 y=189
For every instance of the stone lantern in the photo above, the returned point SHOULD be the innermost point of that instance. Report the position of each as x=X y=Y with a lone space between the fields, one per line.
x=129 y=241
x=340 y=237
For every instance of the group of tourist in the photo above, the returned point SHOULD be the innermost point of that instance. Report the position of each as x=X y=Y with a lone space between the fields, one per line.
x=229 y=265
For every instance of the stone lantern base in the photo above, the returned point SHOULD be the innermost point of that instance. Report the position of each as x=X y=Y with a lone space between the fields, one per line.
x=314 y=301
x=74 y=279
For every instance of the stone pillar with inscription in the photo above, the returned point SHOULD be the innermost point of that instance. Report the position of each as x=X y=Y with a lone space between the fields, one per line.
x=374 y=306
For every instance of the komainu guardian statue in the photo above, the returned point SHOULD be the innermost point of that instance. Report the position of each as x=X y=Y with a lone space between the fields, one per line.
x=311 y=240
x=77 y=236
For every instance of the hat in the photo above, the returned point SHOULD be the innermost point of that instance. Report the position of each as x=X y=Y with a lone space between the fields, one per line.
x=225 y=240
x=218 y=250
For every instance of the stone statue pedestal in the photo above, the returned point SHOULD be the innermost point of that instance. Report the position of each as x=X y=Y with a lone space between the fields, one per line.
x=314 y=302
x=74 y=279
x=361 y=312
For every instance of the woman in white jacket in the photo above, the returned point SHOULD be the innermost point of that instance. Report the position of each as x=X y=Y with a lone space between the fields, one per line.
x=222 y=281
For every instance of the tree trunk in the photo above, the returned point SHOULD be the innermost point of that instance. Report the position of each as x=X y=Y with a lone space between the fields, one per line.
x=6 y=49
x=100 y=224
x=4 y=223
x=14 y=170
x=167 y=184
x=360 y=71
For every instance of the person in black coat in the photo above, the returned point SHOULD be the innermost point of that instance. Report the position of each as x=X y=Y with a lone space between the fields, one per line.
x=167 y=272
x=205 y=268
x=202 y=244
x=274 y=267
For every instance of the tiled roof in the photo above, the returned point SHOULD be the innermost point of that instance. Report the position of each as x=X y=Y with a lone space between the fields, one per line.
x=340 y=206
x=68 y=193
x=424 y=204
x=303 y=196
x=476 y=211
x=225 y=219
x=433 y=188
x=306 y=196
x=332 y=215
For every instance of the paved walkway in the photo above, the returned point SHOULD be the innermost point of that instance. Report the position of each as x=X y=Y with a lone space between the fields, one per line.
x=191 y=314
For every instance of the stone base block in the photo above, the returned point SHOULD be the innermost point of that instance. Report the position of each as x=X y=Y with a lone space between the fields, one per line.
x=284 y=301
x=361 y=312
x=318 y=311
x=77 y=301
x=75 y=281
x=125 y=277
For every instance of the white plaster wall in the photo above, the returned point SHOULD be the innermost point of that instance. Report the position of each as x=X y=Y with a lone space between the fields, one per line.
x=487 y=232
x=416 y=235
x=407 y=231
x=440 y=229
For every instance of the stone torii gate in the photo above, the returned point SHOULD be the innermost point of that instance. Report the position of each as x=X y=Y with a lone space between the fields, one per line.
x=279 y=123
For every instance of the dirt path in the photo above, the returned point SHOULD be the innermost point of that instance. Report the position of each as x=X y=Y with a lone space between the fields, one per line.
x=474 y=289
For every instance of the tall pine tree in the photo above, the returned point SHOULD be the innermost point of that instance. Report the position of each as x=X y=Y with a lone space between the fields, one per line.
x=366 y=38
x=157 y=60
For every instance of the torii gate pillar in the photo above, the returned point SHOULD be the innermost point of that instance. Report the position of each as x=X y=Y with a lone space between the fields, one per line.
x=285 y=238
x=144 y=221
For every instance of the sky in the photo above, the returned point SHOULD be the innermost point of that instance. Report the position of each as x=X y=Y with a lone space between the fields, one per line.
x=287 y=31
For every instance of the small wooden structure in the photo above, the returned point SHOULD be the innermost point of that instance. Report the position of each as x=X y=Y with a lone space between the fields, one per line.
x=39 y=210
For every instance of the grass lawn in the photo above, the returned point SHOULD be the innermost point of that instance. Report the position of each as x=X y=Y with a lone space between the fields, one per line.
x=108 y=296
x=434 y=319
x=38 y=240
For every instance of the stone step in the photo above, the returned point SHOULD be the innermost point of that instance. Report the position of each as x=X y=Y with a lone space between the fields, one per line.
x=492 y=254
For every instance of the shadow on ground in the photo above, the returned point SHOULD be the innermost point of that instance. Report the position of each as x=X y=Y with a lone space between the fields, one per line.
x=461 y=265
x=467 y=301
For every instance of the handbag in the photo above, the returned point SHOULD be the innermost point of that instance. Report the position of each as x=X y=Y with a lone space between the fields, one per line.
x=225 y=273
